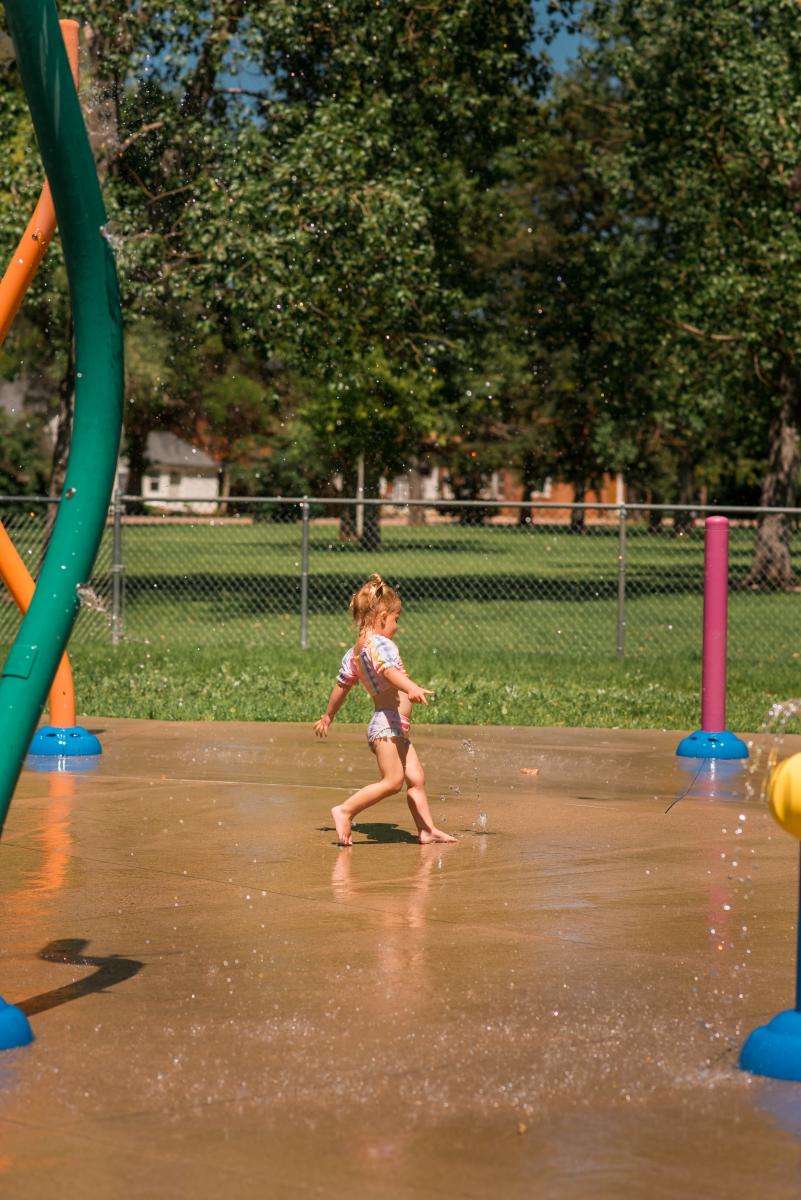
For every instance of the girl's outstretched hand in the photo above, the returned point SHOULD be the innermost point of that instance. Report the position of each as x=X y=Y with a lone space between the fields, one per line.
x=418 y=694
x=322 y=726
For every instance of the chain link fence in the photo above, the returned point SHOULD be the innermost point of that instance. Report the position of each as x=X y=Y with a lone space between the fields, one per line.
x=487 y=578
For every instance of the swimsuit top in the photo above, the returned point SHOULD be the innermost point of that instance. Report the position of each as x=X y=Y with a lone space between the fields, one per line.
x=369 y=664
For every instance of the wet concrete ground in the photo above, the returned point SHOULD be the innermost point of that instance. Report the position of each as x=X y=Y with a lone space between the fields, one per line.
x=223 y=1000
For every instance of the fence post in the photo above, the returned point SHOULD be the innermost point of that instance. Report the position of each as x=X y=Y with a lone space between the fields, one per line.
x=116 y=571
x=621 y=583
x=360 y=496
x=304 y=577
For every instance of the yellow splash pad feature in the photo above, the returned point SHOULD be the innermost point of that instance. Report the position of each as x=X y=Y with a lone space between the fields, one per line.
x=784 y=794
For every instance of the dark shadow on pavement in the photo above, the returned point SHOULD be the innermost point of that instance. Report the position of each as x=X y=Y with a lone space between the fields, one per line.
x=376 y=834
x=111 y=969
x=384 y=832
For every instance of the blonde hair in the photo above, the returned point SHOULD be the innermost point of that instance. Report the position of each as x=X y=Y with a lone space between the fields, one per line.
x=373 y=597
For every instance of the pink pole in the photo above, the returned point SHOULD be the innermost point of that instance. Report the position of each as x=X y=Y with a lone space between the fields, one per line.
x=716 y=615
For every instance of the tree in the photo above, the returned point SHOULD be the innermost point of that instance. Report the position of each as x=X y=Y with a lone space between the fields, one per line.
x=382 y=140
x=152 y=380
x=39 y=346
x=23 y=456
x=327 y=218
x=565 y=403
x=710 y=100
x=230 y=400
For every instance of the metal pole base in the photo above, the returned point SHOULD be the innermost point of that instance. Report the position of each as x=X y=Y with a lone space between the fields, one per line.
x=703 y=744
x=774 y=1049
x=15 y=1028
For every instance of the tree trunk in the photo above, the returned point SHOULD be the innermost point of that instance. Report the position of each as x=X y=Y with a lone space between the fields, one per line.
x=417 y=514
x=529 y=476
x=655 y=517
x=771 y=568
x=101 y=112
x=137 y=464
x=347 y=518
x=61 y=447
x=225 y=488
x=371 y=529
x=466 y=486
x=683 y=520
x=578 y=515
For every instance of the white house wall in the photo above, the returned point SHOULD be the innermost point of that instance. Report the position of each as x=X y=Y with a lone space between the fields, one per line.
x=190 y=493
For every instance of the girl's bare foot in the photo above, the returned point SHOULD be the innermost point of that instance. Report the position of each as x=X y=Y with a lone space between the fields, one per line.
x=343 y=824
x=434 y=835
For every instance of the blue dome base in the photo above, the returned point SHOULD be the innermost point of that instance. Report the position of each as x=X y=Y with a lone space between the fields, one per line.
x=59 y=741
x=15 y=1028
x=703 y=744
x=52 y=764
x=775 y=1049
x=712 y=778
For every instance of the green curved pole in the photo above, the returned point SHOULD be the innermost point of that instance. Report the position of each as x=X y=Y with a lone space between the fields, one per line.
x=69 y=166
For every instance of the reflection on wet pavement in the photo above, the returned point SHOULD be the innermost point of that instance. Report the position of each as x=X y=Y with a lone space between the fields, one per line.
x=550 y=1007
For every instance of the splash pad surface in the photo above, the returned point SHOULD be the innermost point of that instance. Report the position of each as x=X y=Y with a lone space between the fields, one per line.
x=223 y=998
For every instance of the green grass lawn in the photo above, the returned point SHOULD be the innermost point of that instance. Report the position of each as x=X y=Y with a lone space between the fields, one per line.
x=511 y=625
x=287 y=684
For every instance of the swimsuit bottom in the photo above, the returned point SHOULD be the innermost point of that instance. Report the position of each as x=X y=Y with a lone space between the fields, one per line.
x=387 y=723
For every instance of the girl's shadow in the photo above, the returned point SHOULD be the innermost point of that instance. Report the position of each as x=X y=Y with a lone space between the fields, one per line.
x=379 y=833
x=385 y=832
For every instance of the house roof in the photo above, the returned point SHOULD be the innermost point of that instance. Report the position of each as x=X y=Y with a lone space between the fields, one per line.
x=168 y=450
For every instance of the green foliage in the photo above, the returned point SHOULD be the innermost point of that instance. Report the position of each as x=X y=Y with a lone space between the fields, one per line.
x=24 y=465
x=385 y=166
x=325 y=217
x=367 y=230
x=705 y=185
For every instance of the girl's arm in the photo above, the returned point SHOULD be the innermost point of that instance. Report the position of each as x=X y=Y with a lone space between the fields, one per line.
x=400 y=680
x=339 y=695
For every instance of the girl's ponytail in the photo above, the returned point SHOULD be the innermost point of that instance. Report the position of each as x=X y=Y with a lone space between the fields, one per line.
x=371 y=598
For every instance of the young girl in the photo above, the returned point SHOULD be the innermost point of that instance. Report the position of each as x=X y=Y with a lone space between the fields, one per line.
x=374 y=660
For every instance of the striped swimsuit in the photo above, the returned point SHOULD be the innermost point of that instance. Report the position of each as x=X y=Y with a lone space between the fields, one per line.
x=368 y=665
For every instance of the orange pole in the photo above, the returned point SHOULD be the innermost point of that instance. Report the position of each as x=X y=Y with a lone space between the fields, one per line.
x=37 y=237
x=13 y=286
x=19 y=583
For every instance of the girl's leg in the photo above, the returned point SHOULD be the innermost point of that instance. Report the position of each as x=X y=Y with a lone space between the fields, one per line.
x=418 y=800
x=391 y=781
